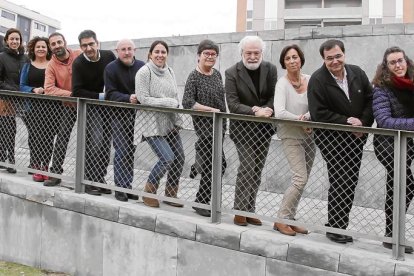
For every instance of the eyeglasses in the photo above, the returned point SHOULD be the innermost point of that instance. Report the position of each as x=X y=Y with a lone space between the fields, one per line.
x=394 y=63
x=332 y=58
x=90 y=44
x=210 y=54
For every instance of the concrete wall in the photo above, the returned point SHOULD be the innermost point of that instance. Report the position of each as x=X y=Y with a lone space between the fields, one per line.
x=86 y=235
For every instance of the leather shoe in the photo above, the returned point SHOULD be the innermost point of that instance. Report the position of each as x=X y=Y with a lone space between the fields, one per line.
x=202 y=212
x=121 y=196
x=53 y=181
x=11 y=170
x=254 y=221
x=284 y=229
x=92 y=190
x=105 y=191
x=240 y=220
x=408 y=249
x=299 y=230
x=338 y=238
x=132 y=197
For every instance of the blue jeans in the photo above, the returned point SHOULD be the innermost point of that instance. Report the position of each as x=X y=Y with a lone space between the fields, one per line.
x=170 y=152
x=123 y=139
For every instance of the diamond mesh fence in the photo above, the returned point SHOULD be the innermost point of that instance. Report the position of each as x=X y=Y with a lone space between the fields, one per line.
x=324 y=177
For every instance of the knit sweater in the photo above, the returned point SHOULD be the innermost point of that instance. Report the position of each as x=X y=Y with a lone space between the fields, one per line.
x=120 y=80
x=58 y=76
x=389 y=112
x=88 y=76
x=157 y=86
x=207 y=90
x=290 y=105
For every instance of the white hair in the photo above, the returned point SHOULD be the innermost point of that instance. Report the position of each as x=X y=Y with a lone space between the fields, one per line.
x=125 y=40
x=251 y=39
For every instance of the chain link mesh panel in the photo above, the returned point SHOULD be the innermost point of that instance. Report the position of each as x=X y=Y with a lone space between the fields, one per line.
x=318 y=179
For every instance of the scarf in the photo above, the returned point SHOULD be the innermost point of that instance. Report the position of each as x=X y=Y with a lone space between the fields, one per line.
x=402 y=83
x=404 y=91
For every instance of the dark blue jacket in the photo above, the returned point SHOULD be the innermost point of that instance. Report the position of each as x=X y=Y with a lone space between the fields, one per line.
x=120 y=80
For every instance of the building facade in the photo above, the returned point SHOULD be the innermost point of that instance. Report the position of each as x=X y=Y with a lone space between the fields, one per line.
x=29 y=22
x=258 y=15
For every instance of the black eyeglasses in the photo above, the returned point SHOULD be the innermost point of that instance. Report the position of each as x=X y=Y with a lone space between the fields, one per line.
x=395 y=62
x=332 y=58
x=210 y=54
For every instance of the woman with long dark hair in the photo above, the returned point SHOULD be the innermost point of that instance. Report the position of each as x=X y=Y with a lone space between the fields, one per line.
x=38 y=117
x=393 y=104
x=12 y=60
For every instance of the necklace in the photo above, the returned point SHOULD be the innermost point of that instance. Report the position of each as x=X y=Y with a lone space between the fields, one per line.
x=205 y=73
x=296 y=86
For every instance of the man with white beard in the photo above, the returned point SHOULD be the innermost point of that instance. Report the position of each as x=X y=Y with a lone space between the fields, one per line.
x=250 y=88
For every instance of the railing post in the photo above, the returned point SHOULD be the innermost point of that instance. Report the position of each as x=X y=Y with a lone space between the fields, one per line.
x=80 y=146
x=400 y=176
x=217 y=167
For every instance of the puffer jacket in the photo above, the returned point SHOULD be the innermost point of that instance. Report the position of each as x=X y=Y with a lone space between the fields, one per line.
x=11 y=64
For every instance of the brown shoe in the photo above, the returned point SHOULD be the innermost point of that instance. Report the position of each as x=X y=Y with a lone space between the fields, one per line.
x=240 y=220
x=299 y=230
x=172 y=192
x=284 y=229
x=151 y=202
x=254 y=221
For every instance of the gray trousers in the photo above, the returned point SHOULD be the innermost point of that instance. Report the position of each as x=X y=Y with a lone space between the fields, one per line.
x=252 y=156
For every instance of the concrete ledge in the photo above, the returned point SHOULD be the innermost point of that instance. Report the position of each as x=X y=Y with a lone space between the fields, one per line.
x=357 y=30
x=132 y=239
x=271 y=245
x=388 y=29
x=222 y=235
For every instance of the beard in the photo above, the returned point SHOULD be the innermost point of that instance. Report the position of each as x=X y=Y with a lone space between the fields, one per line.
x=252 y=65
x=60 y=52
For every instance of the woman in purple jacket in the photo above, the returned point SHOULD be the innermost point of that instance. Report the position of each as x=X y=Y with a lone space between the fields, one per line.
x=393 y=109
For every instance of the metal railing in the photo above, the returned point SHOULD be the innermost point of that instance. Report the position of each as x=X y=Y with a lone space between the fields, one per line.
x=101 y=157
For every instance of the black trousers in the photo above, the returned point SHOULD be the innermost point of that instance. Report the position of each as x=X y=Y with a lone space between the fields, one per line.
x=384 y=151
x=42 y=120
x=204 y=155
x=7 y=138
x=342 y=152
x=68 y=120
x=97 y=142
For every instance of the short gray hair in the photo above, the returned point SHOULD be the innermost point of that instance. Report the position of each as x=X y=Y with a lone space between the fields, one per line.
x=251 y=39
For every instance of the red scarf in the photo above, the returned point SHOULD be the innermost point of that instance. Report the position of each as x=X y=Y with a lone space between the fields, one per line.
x=402 y=83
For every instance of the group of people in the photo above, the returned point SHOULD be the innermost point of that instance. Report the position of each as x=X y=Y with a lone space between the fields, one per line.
x=337 y=92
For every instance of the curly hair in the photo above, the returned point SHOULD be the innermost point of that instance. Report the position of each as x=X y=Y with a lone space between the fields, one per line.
x=32 y=44
x=383 y=75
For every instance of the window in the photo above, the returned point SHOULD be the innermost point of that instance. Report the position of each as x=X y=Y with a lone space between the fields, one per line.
x=3 y=30
x=8 y=15
x=249 y=14
x=40 y=27
x=249 y=25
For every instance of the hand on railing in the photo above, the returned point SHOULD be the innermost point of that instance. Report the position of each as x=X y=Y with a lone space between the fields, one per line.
x=133 y=99
x=355 y=122
x=38 y=90
x=307 y=130
x=262 y=111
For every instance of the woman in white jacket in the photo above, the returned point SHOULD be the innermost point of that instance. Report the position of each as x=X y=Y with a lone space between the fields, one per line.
x=291 y=103
x=155 y=84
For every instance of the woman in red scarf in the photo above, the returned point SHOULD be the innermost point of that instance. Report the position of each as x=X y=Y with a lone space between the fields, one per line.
x=393 y=107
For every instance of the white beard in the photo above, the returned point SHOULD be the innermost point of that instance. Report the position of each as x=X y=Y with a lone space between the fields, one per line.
x=252 y=66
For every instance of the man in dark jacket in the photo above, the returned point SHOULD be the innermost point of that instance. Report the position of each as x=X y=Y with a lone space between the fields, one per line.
x=88 y=82
x=340 y=93
x=250 y=88
x=120 y=87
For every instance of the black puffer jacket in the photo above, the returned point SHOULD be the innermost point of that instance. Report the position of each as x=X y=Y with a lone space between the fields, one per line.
x=10 y=65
